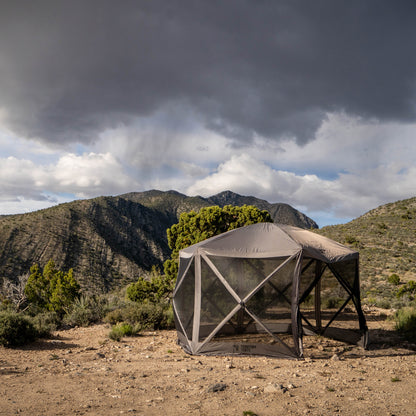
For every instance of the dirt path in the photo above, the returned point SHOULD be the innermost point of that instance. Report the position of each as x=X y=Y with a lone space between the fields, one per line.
x=82 y=372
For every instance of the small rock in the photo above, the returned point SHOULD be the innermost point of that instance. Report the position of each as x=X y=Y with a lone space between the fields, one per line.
x=274 y=388
x=217 y=387
x=335 y=357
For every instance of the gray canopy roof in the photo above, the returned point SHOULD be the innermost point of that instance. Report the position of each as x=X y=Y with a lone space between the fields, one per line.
x=272 y=240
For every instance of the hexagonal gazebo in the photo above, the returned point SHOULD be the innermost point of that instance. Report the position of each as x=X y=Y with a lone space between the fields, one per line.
x=259 y=289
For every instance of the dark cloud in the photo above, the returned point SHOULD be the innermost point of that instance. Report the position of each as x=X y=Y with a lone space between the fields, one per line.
x=70 y=69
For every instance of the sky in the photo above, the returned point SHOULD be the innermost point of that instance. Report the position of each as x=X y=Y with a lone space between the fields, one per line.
x=309 y=103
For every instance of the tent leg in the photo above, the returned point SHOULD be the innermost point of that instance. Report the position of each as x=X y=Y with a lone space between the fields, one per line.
x=318 y=298
x=240 y=321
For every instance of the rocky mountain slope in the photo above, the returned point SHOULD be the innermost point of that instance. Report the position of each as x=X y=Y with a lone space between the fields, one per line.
x=110 y=241
x=385 y=238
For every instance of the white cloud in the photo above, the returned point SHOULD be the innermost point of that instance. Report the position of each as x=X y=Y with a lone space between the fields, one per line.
x=82 y=176
x=19 y=177
x=90 y=174
x=150 y=144
x=348 y=195
x=348 y=144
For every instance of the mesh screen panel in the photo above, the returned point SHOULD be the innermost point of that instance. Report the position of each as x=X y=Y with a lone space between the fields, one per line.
x=243 y=332
x=271 y=304
x=347 y=270
x=273 y=300
x=307 y=276
x=332 y=297
x=244 y=274
x=216 y=301
x=185 y=300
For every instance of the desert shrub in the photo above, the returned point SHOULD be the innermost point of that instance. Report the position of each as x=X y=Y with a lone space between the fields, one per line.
x=45 y=323
x=168 y=321
x=140 y=291
x=408 y=289
x=405 y=319
x=309 y=301
x=148 y=315
x=115 y=300
x=120 y=330
x=7 y=306
x=332 y=302
x=51 y=289
x=383 y=303
x=115 y=316
x=155 y=289
x=16 y=329
x=394 y=279
x=350 y=239
x=86 y=310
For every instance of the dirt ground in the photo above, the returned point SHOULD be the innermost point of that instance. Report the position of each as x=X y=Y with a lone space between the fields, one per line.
x=81 y=371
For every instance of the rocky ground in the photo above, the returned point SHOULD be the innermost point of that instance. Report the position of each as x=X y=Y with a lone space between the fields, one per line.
x=81 y=371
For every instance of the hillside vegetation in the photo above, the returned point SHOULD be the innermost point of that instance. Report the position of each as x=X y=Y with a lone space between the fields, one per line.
x=110 y=241
x=386 y=240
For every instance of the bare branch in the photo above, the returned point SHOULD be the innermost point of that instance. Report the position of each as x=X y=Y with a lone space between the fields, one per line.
x=15 y=291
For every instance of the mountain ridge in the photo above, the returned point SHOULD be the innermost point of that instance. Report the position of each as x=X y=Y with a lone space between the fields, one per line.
x=110 y=241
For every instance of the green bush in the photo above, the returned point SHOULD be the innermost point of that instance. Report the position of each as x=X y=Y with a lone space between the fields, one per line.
x=394 y=279
x=140 y=291
x=120 y=330
x=383 y=304
x=350 y=239
x=156 y=289
x=406 y=322
x=408 y=289
x=86 y=310
x=332 y=302
x=147 y=315
x=116 y=315
x=7 y=306
x=16 y=329
x=51 y=289
x=45 y=323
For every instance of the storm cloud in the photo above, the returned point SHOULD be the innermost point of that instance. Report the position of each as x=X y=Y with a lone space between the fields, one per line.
x=69 y=70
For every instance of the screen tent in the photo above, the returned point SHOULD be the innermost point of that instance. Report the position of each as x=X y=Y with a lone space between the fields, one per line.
x=259 y=289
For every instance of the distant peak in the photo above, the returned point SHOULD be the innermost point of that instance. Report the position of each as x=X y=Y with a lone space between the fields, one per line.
x=227 y=194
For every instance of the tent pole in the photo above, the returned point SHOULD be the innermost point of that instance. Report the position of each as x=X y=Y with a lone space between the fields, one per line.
x=318 y=297
x=197 y=303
